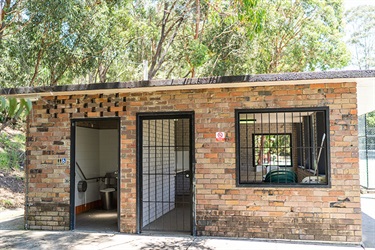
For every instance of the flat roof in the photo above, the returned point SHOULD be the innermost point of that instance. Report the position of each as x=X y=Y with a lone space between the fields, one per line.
x=364 y=78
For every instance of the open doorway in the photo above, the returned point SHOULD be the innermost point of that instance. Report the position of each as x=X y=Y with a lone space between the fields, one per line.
x=165 y=190
x=95 y=169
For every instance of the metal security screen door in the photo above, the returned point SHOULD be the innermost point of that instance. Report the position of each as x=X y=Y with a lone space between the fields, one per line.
x=165 y=164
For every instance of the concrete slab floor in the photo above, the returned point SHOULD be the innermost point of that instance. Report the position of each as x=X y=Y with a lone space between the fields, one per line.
x=97 y=220
x=176 y=220
x=10 y=239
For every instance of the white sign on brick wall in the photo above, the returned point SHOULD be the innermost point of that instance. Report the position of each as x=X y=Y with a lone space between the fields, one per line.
x=62 y=161
x=220 y=136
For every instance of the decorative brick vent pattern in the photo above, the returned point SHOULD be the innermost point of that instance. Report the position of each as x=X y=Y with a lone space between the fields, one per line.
x=48 y=141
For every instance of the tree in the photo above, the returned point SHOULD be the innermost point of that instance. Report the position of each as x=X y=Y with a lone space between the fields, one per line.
x=300 y=36
x=361 y=27
x=370 y=119
x=111 y=34
x=173 y=35
x=174 y=15
x=62 y=44
x=100 y=41
x=295 y=36
x=10 y=14
x=236 y=23
x=227 y=38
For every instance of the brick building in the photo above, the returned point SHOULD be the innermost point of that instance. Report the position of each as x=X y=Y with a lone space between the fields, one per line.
x=264 y=156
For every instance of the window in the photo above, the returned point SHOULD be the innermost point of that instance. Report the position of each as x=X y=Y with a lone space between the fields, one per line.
x=282 y=146
x=272 y=150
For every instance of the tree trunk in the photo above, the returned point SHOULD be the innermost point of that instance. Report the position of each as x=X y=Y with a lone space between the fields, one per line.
x=2 y=15
x=102 y=72
x=261 y=151
x=168 y=32
x=196 y=35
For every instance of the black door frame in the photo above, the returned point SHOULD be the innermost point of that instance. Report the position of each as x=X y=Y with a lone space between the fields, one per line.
x=139 y=132
x=72 y=222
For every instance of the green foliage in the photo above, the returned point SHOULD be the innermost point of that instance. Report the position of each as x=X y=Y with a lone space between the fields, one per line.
x=4 y=160
x=252 y=16
x=6 y=203
x=300 y=36
x=11 y=109
x=370 y=119
x=228 y=41
x=64 y=41
x=101 y=41
x=12 y=148
x=275 y=147
x=198 y=53
x=361 y=27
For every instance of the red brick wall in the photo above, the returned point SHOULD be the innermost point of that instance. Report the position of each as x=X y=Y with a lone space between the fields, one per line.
x=222 y=208
x=48 y=141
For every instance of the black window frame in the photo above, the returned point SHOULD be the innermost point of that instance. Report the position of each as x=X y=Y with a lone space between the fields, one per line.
x=324 y=110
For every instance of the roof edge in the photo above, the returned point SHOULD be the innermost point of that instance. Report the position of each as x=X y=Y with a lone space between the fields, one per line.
x=205 y=82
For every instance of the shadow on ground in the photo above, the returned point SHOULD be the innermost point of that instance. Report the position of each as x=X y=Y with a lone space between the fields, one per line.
x=174 y=245
x=12 y=224
x=10 y=239
x=25 y=240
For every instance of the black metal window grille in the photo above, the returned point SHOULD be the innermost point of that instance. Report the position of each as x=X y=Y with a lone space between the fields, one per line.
x=282 y=146
x=166 y=175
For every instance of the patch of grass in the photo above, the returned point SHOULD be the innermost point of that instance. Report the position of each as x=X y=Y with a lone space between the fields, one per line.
x=4 y=160
x=12 y=150
x=7 y=203
x=19 y=138
x=19 y=178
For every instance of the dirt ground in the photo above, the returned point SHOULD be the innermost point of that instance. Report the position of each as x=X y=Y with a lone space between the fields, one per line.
x=12 y=189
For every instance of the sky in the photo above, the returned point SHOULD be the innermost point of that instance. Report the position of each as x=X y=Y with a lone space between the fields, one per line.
x=353 y=3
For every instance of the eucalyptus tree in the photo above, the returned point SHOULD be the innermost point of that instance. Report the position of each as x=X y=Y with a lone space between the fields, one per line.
x=87 y=41
x=160 y=28
x=301 y=35
x=185 y=36
x=10 y=14
x=111 y=33
x=229 y=30
x=361 y=28
x=63 y=42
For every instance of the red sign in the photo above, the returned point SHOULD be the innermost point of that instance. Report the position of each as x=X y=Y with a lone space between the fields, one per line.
x=220 y=136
